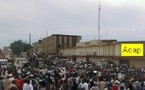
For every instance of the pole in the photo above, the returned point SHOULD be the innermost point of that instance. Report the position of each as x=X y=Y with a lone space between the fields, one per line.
x=99 y=20
x=30 y=38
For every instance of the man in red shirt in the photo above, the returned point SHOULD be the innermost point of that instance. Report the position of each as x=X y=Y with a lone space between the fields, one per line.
x=116 y=85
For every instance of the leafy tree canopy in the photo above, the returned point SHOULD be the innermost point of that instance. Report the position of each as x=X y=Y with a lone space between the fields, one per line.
x=19 y=46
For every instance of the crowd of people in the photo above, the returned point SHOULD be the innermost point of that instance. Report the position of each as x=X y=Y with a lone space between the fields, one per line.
x=71 y=75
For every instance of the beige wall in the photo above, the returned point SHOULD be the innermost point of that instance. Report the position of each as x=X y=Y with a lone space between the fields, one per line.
x=117 y=49
x=81 y=59
x=69 y=51
x=99 y=50
x=111 y=51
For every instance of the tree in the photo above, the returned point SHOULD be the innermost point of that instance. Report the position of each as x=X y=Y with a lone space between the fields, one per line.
x=19 y=46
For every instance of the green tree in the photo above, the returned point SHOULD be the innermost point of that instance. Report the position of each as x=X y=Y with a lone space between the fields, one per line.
x=19 y=46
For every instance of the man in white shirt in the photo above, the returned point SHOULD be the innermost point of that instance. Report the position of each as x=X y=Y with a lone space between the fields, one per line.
x=27 y=85
x=85 y=85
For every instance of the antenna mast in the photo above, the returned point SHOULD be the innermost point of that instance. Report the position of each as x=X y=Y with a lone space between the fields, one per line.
x=99 y=20
x=30 y=38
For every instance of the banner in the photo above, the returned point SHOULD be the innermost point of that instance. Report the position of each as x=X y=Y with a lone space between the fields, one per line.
x=132 y=50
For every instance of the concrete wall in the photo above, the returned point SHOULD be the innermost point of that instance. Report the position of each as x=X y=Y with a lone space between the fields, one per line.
x=104 y=51
x=99 y=50
x=117 y=49
x=68 y=51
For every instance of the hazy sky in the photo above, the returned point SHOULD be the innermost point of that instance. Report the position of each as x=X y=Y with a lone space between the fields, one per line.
x=120 y=19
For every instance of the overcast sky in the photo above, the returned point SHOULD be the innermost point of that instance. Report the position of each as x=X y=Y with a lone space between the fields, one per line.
x=120 y=19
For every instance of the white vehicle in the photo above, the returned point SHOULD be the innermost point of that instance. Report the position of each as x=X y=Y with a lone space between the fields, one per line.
x=3 y=63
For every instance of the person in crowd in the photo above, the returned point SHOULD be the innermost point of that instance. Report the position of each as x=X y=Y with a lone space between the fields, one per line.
x=51 y=86
x=142 y=86
x=130 y=85
x=85 y=85
x=102 y=84
x=116 y=85
x=80 y=84
x=12 y=86
x=27 y=85
x=1 y=83
x=122 y=85
x=35 y=84
x=94 y=86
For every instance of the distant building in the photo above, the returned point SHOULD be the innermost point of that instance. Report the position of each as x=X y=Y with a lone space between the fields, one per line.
x=53 y=44
x=1 y=54
x=7 y=52
x=37 y=47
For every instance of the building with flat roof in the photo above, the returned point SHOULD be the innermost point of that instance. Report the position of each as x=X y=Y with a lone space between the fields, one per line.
x=104 y=50
x=52 y=45
x=97 y=51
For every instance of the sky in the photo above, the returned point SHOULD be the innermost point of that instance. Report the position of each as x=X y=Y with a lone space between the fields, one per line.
x=123 y=20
